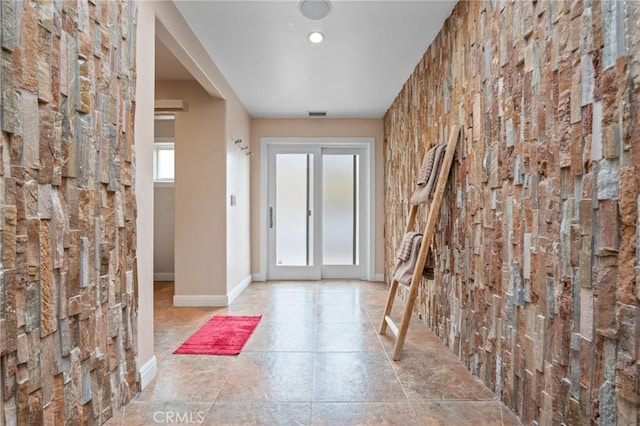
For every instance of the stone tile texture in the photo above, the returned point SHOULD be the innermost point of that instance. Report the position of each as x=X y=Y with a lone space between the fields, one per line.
x=537 y=245
x=68 y=308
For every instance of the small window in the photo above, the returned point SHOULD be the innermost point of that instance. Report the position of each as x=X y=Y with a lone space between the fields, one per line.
x=163 y=161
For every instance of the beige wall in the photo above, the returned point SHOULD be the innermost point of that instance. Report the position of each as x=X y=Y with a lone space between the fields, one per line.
x=163 y=128
x=209 y=166
x=163 y=215
x=145 y=53
x=200 y=190
x=238 y=184
x=163 y=233
x=314 y=127
x=178 y=37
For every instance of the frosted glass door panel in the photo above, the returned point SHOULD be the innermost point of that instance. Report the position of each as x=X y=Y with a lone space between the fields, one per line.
x=292 y=207
x=339 y=210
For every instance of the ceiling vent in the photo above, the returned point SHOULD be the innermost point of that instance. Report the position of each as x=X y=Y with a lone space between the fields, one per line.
x=317 y=113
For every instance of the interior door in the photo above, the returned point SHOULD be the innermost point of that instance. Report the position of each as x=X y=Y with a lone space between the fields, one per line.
x=293 y=251
x=343 y=205
x=316 y=212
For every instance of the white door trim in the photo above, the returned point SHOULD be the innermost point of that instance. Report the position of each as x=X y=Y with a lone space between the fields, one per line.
x=367 y=143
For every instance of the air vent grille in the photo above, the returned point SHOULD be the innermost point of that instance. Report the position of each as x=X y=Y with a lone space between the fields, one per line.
x=317 y=113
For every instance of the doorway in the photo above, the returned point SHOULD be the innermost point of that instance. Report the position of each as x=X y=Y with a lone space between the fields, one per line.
x=318 y=208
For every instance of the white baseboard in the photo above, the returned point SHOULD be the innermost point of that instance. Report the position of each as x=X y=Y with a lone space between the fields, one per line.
x=238 y=289
x=200 y=300
x=260 y=276
x=211 y=300
x=164 y=276
x=148 y=372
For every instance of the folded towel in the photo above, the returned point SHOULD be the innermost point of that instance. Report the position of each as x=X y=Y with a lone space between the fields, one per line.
x=437 y=165
x=403 y=271
x=427 y=166
x=405 y=246
x=424 y=193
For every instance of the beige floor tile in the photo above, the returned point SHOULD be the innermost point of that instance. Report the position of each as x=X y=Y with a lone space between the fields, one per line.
x=418 y=339
x=180 y=317
x=165 y=343
x=350 y=284
x=341 y=313
x=347 y=296
x=270 y=376
x=377 y=298
x=286 y=285
x=439 y=376
x=447 y=413
x=281 y=337
x=375 y=413
x=355 y=377
x=242 y=309
x=296 y=296
x=259 y=413
x=315 y=358
x=296 y=313
x=252 y=297
x=189 y=378
x=346 y=337
x=145 y=413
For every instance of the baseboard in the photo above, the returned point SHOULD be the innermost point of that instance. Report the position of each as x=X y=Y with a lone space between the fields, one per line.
x=164 y=276
x=200 y=300
x=238 y=289
x=260 y=276
x=148 y=372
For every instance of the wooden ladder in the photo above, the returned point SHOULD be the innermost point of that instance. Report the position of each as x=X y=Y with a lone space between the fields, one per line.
x=433 y=211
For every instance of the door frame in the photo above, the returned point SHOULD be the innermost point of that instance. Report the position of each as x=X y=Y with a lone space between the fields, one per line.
x=365 y=143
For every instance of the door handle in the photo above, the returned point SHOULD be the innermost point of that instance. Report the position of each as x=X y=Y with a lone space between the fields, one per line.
x=270 y=217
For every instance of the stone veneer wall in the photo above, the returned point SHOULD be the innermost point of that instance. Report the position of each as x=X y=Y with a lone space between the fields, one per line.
x=68 y=307
x=537 y=285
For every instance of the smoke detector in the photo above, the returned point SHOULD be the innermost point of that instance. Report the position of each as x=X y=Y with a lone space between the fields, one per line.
x=315 y=9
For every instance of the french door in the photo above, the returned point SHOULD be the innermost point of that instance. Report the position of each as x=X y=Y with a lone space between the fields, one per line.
x=317 y=212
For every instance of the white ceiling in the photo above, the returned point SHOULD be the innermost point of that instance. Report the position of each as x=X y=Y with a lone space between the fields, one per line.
x=262 y=49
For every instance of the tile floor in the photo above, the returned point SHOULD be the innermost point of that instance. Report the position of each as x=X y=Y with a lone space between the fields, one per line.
x=315 y=358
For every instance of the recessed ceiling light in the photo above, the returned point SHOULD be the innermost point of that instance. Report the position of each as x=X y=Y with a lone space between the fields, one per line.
x=315 y=9
x=316 y=37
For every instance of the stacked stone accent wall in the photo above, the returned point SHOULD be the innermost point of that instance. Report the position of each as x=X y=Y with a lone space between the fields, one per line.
x=537 y=286
x=67 y=206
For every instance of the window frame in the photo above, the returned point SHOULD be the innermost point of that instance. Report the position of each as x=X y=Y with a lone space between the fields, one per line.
x=162 y=144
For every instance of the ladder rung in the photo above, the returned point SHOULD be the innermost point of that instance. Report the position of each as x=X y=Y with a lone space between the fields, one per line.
x=392 y=325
